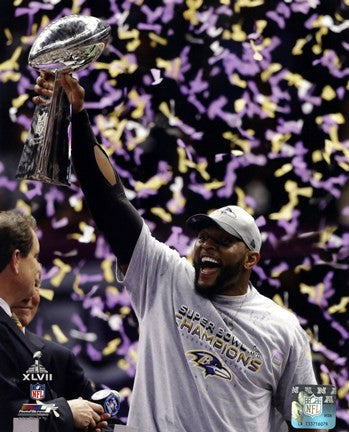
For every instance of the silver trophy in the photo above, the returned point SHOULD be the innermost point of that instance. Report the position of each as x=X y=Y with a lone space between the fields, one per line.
x=66 y=45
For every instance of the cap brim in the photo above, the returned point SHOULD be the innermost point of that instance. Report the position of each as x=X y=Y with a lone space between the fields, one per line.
x=200 y=221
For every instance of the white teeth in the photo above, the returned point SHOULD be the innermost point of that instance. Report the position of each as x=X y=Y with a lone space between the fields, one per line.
x=208 y=259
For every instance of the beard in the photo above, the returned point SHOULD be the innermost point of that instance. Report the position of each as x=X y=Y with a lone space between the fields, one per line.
x=227 y=277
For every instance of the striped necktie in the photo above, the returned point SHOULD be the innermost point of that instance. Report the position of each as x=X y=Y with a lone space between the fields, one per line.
x=17 y=321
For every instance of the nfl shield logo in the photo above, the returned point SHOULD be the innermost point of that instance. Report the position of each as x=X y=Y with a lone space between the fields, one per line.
x=37 y=391
x=313 y=405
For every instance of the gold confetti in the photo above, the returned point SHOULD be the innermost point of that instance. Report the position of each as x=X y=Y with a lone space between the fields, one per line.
x=267 y=105
x=293 y=191
x=270 y=70
x=124 y=311
x=325 y=379
x=256 y=51
x=111 y=346
x=202 y=169
x=235 y=140
x=247 y=3
x=316 y=156
x=241 y=201
x=317 y=48
x=162 y=214
x=341 y=307
x=23 y=206
x=117 y=67
x=236 y=80
x=59 y=335
x=125 y=393
x=236 y=33
x=286 y=168
x=112 y=128
x=8 y=36
x=214 y=185
x=112 y=290
x=260 y=26
x=87 y=236
x=75 y=9
x=343 y=390
x=344 y=165
x=317 y=176
x=278 y=300
x=328 y=93
x=19 y=101
x=314 y=292
x=239 y=105
x=123 y=364
x=172 y=67
x=138 y=112
x=76 y=203
x=76 y=287
x=298 y=48
x=63 y=270
x=191 y=13
x=278 y=140
x=12 y=63
x=130 y=34
x=154 y=183
x=301 y=267
x=157 y=39
x=47 y=294
x=107 y=267
x=183 y=162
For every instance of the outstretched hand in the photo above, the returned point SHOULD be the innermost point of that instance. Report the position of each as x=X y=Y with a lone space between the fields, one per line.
x=88 y=415
x=44 y=88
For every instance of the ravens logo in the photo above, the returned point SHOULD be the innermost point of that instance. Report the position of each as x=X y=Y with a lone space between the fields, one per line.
x=210 y=364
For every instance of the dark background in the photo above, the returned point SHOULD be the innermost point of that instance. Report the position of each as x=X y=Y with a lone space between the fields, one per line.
x=258 y=99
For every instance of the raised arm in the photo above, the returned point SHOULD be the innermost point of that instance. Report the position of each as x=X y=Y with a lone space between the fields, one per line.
x=113 y=213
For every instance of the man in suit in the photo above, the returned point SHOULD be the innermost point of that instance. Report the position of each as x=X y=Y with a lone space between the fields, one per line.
x=20 y=271
x=69 y=380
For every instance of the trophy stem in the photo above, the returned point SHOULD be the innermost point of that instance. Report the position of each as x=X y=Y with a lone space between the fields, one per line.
x=46 y=154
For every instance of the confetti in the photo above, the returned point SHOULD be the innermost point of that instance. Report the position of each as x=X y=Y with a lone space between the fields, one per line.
x=198 y=105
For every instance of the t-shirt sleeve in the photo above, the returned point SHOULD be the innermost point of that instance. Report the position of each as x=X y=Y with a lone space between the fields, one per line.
x=298 y=370
x=154 y=270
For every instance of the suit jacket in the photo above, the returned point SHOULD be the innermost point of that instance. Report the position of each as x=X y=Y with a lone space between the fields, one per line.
x=69 y=380
x=16 y=357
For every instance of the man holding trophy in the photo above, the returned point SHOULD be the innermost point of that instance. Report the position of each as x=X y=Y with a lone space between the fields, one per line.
x=135 y=249
x=191 y=317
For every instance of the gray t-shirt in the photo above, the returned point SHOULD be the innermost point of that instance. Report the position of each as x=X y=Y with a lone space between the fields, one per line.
x=221 y=365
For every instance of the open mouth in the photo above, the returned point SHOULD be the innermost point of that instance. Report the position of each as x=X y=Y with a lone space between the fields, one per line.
x=209 y=266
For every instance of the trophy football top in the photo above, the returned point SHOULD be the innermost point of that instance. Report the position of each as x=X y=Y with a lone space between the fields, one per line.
x=69 y=44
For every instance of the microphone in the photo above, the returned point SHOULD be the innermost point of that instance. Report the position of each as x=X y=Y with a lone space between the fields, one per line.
x=110 y=401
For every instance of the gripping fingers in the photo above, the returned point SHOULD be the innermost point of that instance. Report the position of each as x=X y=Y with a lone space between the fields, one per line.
x=43 y=88
x=74 y=90
x=39 y=100
x=46 y=82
